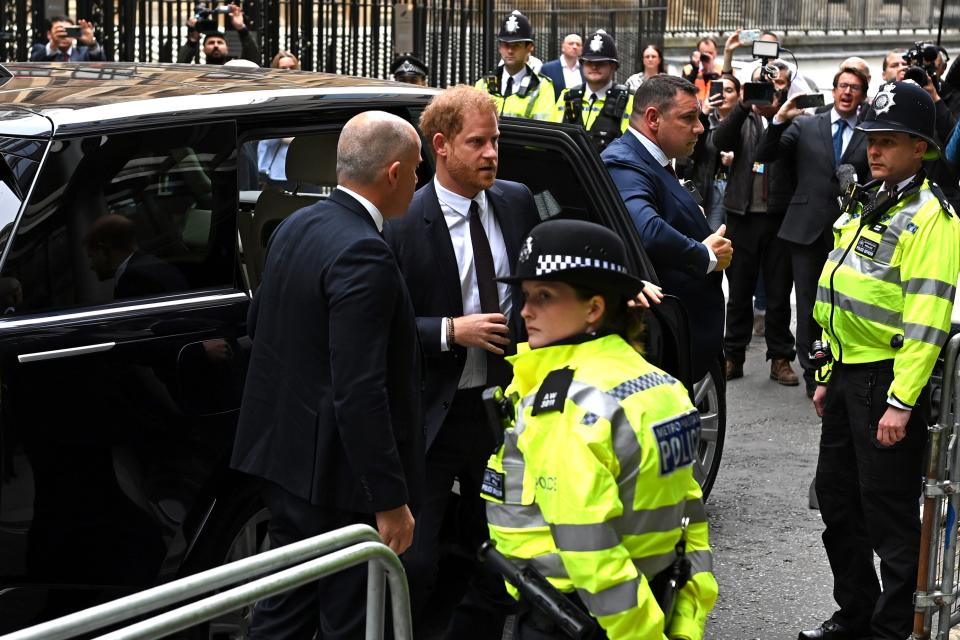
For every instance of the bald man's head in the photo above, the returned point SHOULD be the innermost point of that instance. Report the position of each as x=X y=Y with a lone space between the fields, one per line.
x=572 y=47
x=854 y=62
x=370 y=142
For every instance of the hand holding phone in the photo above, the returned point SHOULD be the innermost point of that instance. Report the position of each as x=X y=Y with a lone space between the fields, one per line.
x=74 y=32
x=809 y=100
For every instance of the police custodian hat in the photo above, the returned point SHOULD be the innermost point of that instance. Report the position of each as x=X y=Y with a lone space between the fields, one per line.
x=578 y=253
x=904 y=107
x=515 y=28
x=407 y=65
x=600 y=47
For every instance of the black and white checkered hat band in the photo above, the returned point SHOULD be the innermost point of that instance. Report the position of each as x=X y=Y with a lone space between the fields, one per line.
x=553 y=263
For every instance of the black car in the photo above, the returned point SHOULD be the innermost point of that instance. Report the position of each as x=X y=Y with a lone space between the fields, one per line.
x=135 y=204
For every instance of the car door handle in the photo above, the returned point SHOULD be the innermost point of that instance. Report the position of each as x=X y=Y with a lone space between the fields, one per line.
x=65 y=353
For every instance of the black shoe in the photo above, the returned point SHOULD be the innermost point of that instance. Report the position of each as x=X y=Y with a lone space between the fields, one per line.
x=829 y=630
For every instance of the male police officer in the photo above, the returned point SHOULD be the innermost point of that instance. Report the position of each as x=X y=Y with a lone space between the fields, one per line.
x=518 y=90
x=409 y=69
x=884 y=301
x=601 y=107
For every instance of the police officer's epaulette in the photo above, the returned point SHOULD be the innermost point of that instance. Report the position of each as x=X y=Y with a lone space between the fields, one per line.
x=553 y=391
x=944 y=203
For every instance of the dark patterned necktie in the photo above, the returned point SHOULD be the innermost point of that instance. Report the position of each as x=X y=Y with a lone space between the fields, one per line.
x=498 y=372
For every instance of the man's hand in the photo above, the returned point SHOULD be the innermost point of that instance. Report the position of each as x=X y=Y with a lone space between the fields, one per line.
x=712 y=102
x=892 y=427
x=650 y=294
x=236 y=17
x=789 y=110
x=86 y=38
x=482 y=330
x=192 y=34
x=733 y=41
x=726 y=158
x=695 y=59
x=932 y=89
x=722 y=247
x=396 y=528
x=819 y=395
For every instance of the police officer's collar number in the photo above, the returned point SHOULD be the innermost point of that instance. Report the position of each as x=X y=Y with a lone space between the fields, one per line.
x=553 y=392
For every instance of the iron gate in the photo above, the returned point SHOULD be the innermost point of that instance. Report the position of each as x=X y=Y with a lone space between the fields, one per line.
x=356 y=37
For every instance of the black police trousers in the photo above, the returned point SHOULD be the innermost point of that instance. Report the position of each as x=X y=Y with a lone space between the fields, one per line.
x=869 y=499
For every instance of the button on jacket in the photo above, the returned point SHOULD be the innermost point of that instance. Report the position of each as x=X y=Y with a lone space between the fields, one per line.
x=887 y=289
x=592 y=489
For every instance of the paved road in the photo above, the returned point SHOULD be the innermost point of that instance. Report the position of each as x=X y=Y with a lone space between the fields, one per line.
x=772 y=570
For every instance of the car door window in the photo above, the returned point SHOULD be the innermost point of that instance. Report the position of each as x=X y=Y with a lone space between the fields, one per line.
x=126 y=216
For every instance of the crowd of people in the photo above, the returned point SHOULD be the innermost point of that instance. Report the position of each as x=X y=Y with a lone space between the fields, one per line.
x=455 y=288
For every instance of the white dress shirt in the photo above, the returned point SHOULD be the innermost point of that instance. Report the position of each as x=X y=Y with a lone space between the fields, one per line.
x=847 y=133
x=456 y=213
x=369 y=206
x=661 y=157
x=571 y=75
x=517 y=78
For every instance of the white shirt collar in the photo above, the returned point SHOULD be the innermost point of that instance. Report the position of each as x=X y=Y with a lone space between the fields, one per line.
x=517 y=77
x=651 y=147
x=903 y=183
x=56 y=50
x=563 y=63
x=834 y=116
x=456 y=202
x=601 y=95
x=369 y=206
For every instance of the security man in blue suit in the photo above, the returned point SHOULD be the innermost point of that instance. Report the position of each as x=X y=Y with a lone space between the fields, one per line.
x=665 y=123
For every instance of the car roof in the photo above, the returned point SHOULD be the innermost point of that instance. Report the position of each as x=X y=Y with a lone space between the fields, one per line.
x=75 y=95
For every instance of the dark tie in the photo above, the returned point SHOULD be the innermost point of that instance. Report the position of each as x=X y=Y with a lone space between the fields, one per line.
x=669 y=168
x=509 y=91
x=498 y=372
x=838 y=140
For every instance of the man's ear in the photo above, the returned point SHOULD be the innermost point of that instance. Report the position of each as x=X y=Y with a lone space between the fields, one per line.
x=651 y=117
x=439 y=143
x=393 y=172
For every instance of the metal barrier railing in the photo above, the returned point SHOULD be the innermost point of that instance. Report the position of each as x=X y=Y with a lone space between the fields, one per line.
x=308 y=560
x=937 y=590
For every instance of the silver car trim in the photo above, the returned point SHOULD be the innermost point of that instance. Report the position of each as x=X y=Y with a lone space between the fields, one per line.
x=99 y=313
x=65 y=353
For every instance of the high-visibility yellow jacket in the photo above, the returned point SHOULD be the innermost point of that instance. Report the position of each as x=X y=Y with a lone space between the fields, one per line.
x=887 y=288
x=591 y=109
x=593 y=480
x=533 y=99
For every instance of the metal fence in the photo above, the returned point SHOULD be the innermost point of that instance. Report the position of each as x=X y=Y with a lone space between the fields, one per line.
x=938 y=594
x=455 y=37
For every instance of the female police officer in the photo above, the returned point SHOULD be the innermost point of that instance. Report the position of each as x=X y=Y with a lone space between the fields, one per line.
x=594 y=483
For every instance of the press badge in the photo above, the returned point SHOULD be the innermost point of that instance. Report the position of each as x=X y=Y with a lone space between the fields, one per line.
x=759 y=168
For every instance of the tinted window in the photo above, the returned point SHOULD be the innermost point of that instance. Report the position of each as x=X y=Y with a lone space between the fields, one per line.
x=126 y=216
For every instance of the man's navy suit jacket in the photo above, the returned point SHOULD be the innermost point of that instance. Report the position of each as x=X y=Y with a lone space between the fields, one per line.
x=672 y=227
x=421 y=242
x=78 y=54
x=554 y=71
x=331 y=406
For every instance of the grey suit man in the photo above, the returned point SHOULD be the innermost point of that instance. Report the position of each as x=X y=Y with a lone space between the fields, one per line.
x=817 y=145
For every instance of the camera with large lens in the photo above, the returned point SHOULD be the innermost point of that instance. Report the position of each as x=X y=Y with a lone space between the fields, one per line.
x=206 y=17
x=762 y=92
x=922 y=56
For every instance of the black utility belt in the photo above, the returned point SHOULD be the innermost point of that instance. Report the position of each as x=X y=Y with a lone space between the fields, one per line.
x=878 y=365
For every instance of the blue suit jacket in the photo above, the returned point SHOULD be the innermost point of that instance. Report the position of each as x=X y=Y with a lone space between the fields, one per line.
x=78 y=54
x=672 y=227
x=421 y=242
x=554 y=71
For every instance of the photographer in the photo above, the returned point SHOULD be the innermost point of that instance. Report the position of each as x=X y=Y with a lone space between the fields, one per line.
x=703 y=67
x=940 y=171
x=756 y=200
x=819 y=145
x=68 y=43
x=745 y=73
x=215 y=48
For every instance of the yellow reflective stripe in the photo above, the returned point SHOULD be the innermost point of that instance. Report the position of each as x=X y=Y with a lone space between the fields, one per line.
x=515 y=516
x=617 y=599
x=924 y=333
x=865 y=310
x=930 y=287
x=584 y=537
